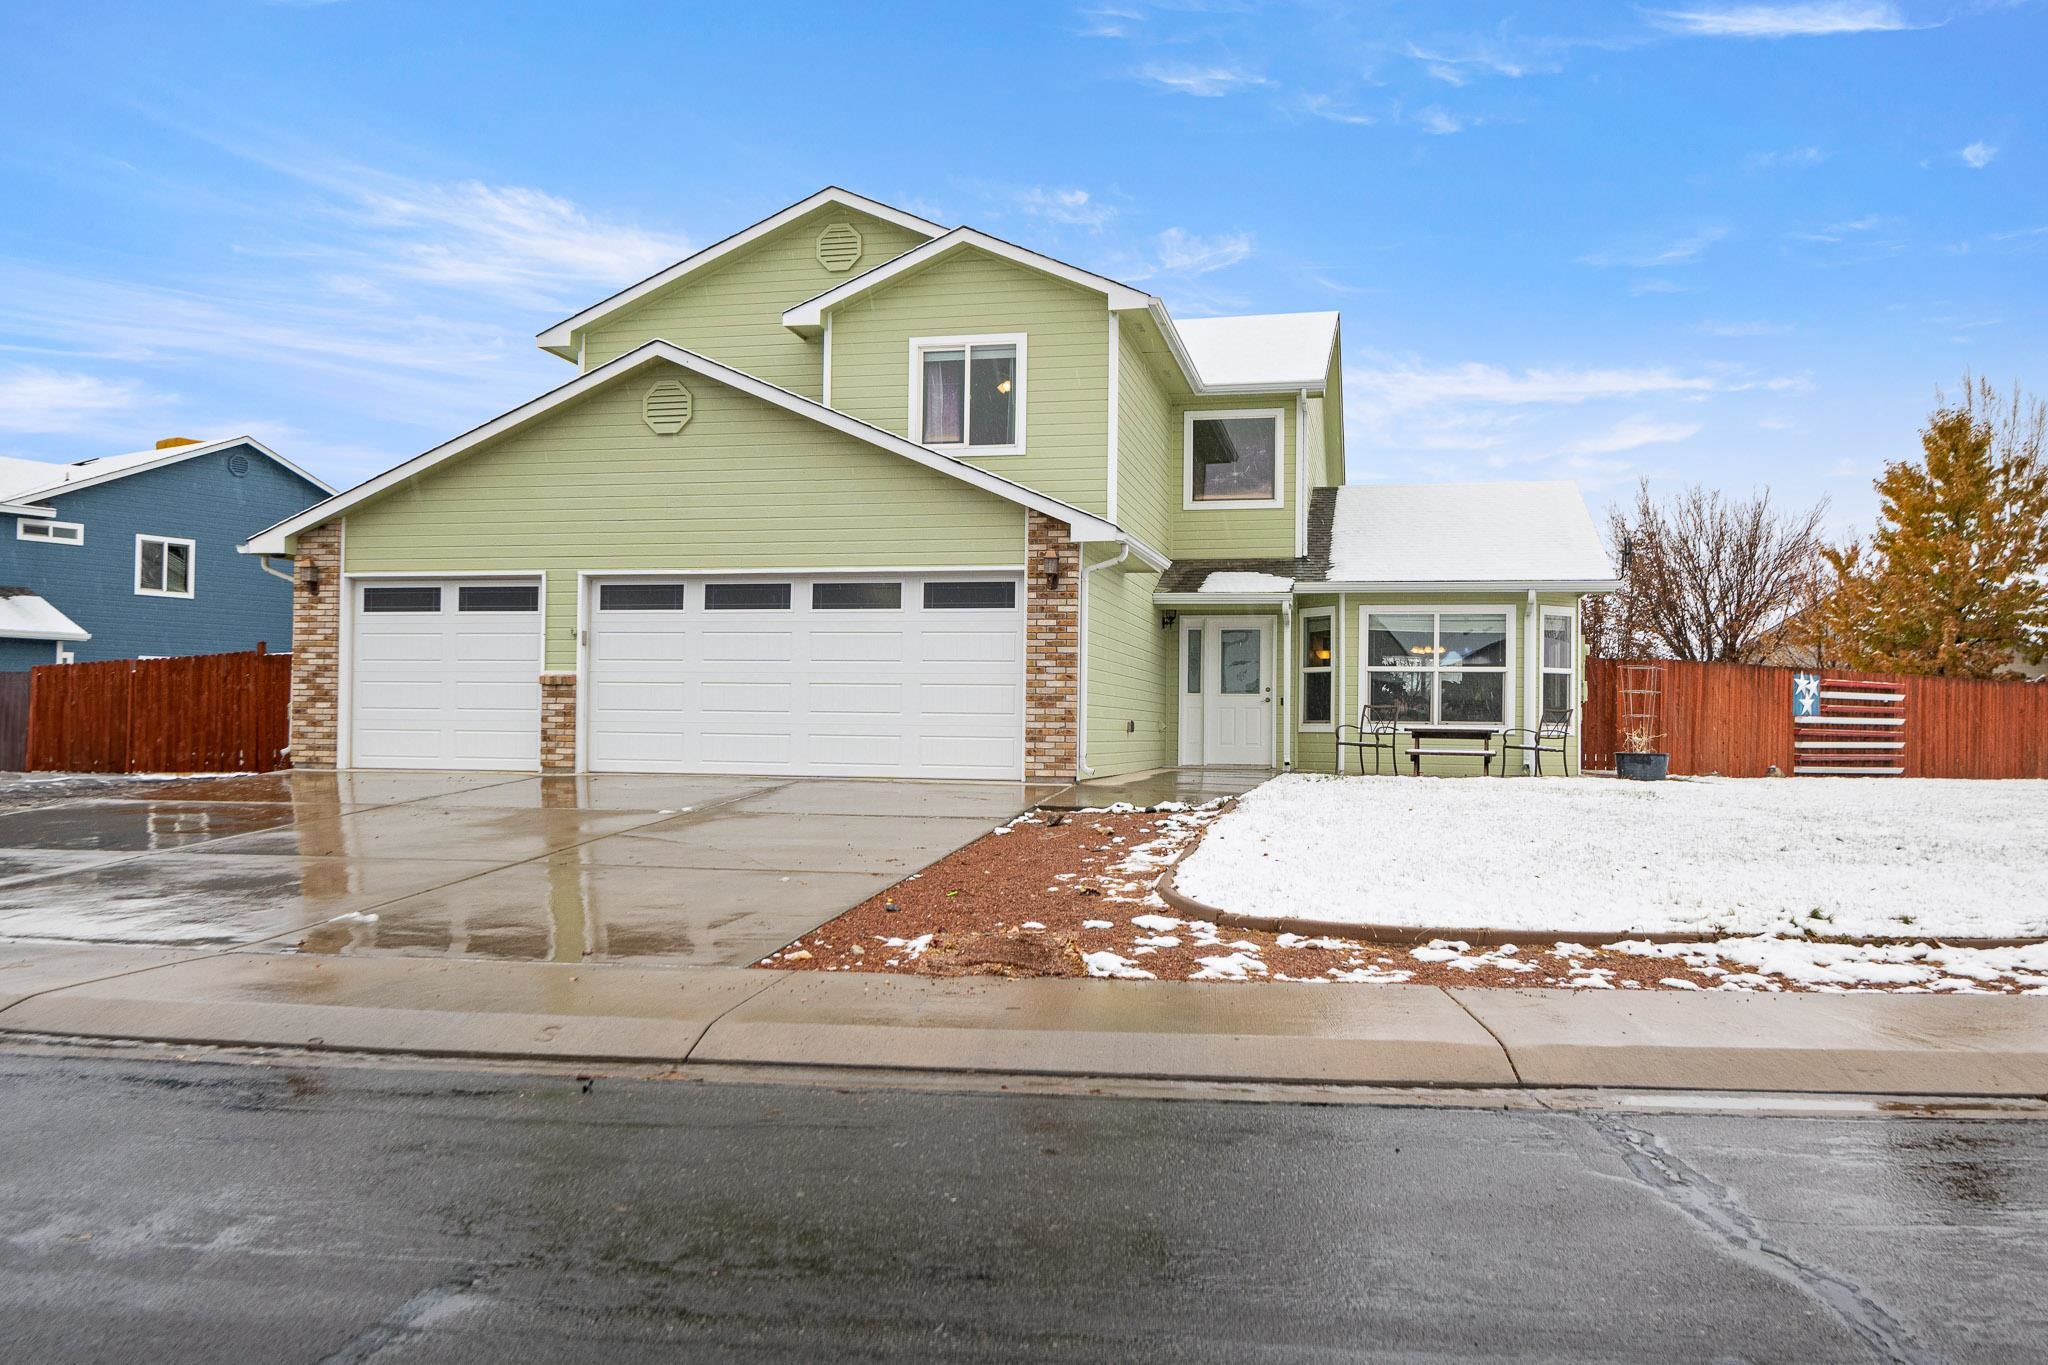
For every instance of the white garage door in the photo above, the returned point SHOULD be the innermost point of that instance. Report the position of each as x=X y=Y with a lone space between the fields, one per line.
x=827 y=675
x=446 y=674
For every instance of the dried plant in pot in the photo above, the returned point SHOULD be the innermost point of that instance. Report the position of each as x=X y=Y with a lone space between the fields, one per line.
x=1639 y=760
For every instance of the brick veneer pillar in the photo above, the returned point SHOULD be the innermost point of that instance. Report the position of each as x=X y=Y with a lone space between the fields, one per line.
x=1052 y=673
x=558 y=722
x=316 y=647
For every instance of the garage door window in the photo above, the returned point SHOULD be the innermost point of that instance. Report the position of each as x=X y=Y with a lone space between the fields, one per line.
x=746 y=597
x=401 y=599
x=518 y=597
x=640 y=597
x=969 y=596
x=857 y=596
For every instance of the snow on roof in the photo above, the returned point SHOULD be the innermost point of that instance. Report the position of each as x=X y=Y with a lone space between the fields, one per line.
x=1465 y=532
x=20 y=478
x=25 y=616
x=1282 y=349
x=1238 y=581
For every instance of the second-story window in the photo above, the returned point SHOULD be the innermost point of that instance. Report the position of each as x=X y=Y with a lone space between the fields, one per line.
x=1233 y=458
x=968 y=393
x=163 y=566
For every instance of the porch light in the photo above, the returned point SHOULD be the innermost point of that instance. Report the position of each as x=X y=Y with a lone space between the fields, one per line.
x=1052 y=568
x=311 y=578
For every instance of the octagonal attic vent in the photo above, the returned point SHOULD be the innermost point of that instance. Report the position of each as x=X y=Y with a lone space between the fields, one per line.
x=839 y=246
x=666 y=407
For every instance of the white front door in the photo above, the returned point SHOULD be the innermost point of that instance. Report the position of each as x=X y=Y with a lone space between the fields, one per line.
x=1227 y=692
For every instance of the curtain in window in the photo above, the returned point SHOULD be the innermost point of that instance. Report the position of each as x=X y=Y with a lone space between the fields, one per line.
x=945 y=397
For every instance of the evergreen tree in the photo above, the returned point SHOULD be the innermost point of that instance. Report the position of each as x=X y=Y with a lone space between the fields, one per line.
x=1954 y=581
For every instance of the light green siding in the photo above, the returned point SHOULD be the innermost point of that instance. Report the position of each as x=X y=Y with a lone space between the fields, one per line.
x=1233 y=531
x=1333 y=416
x=1132 y=707
x=745 y=485
x=732 y=311
x=969 y=292
x=1147 y=446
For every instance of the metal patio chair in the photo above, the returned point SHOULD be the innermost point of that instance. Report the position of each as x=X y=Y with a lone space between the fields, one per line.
x=1378 y=729
x=1552 y=734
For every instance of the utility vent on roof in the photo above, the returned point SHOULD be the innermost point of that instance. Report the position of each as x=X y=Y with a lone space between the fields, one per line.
x=839 y=246
x=667 y=407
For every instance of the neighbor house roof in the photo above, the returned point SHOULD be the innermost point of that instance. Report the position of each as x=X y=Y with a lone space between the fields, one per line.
x=24 y=481
x=561 y=338
x=1085 y=526
x=26 y=616
x=1451 y=534
x=1262 y=350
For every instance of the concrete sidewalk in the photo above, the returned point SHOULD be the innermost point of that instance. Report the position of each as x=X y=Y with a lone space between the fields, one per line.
x=1396 y=1035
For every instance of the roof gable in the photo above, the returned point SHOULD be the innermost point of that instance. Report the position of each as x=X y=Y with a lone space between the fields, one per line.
x=24 y=481
x=561 y=338
x=1448 y=534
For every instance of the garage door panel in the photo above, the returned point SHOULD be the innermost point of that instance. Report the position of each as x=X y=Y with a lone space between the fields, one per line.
x=400 y=648
x=902 y=691
x=445 y=688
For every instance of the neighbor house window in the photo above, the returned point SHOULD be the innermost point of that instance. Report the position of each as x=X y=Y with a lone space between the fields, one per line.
x=1233 y=458
x=968 y=393
x=1317 y=659
x=1557 y=661
x=1441 y=667
x=163 y=566
x=62 y=532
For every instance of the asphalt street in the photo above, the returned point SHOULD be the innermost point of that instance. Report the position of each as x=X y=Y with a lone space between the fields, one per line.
x=169 y=1210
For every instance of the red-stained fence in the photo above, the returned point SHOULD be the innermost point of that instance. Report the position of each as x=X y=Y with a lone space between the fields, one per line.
x=1737 y=720
x=203 y=713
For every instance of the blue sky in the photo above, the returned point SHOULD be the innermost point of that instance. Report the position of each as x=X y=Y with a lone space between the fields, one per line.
x=1736 y=243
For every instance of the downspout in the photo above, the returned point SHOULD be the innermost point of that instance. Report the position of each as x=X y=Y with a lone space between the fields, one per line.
x=1300 y=474
x=1081 y=661
x=289 y=576
x=1532 y=674
x=1284 y=678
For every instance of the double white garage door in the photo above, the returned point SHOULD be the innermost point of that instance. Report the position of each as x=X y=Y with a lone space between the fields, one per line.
x=820 y=675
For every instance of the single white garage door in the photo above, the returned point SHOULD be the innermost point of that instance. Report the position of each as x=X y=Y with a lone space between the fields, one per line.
x=823 y=675
x=446 y=674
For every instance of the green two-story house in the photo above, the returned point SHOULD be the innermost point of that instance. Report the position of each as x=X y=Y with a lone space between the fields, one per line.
x=853 y=493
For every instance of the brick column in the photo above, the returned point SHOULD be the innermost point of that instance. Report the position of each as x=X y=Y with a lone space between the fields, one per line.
x=316 y=647
x=1052 y=672
x=558 y=722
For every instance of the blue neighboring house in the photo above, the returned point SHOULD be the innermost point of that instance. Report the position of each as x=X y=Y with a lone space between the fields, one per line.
x=128 y=556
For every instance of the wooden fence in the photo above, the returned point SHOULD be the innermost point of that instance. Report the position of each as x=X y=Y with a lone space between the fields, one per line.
x=203 y=713
x=13 y=721
x=1736 y=720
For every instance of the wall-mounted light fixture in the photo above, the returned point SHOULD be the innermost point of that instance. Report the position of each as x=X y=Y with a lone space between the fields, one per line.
x=1052 y=569
x=310 y=577
x=1168 y=620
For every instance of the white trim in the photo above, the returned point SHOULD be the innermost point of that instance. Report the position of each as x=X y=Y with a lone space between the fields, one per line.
x=813 y=571
x=1283 y=688
x=1115 y=406
x=1219 y=599
x=557 y=338
x=1570 y=669
x=191 y=565
x=1188 y=501
x=1302 y=670
x=1340 y=705
x=1088 y=571
x=825 y=388
x=21 y=531
x=961 y=449
x=65 y=656
x=1082 y=526
x=1512 y=611
x=810 y=314
x=1587 y=585
x=174 y=455
x=1300 y=474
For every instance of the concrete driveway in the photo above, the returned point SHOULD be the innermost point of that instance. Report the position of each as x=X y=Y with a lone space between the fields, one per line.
x=699 y=871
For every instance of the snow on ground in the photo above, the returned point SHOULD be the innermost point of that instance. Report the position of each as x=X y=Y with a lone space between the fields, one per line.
x=1791 y=858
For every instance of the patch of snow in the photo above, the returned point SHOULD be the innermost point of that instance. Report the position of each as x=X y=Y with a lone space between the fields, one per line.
x=1285 y=350
x=1158 y=924
x=1098 y=924
x=1228 y=580
x=1464 y=532
x=1106 y=963
x=911 y=948
x=1904 y=858
x=1239 y=966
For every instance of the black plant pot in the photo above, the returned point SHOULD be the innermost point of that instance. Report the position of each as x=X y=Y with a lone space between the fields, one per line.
x=1642 y=767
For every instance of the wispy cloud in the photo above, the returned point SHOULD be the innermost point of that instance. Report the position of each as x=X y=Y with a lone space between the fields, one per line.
x=1642 y=288
x=1206 y=82
x=1650 y=256
x=1786 y=158
x=1441 y=122
x=1978 y=155
x=1109 y=21
x=1821 y=19
x=1409 y=386
x=1632 y=433
x=1331 y=110
x=1074 y=207
x=1183 y=253
x=1482 y=58
x=1845 y=229
x=45 y=401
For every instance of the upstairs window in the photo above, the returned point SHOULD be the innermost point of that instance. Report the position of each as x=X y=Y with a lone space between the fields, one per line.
x=967 y=393
x=1233 y=459
x=163 y=566
x=62 y=532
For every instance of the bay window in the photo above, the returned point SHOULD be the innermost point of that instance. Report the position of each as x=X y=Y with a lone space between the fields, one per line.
x=968 y=393
x=1446 y=667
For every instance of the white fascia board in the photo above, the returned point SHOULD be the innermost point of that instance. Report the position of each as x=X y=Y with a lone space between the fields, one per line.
x=176 y=455
x=26 y=509
x=809 y=315
x=1220 y=599
x=560 y=338
x=1492 y=585
x=1083 y=526
x=1163 y=320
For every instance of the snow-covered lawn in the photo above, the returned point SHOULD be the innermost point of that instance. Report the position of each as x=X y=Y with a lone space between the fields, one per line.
x=1794 y=857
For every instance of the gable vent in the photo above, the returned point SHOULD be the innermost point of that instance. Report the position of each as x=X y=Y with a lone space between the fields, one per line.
x=238 y=464
x=666 y=407
x=839 y=246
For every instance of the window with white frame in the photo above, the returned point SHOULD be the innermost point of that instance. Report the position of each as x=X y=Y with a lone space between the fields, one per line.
x=57 y=532
x=1233 y=458
x=967 y=393
x=1318 y=681
x=163 y=566
x=1558 y=648
x=1445 y=667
